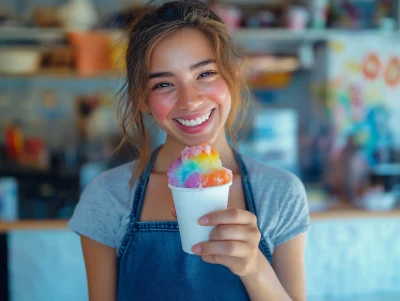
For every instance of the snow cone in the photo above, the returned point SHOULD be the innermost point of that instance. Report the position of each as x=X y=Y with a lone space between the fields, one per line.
x=199 y=185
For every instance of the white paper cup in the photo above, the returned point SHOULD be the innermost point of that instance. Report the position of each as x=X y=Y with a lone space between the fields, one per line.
x=193 y=203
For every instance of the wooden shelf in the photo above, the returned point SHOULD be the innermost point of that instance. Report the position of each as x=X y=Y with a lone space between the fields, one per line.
x=242 y=34
x=30 y=34
x=345 y=213
x=246 y=37
x=44 y=35
x=32 y=225
x=64 y=73
x=353 y=213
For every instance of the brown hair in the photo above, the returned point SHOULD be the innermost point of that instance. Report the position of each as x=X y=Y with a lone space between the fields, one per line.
x=146 y=31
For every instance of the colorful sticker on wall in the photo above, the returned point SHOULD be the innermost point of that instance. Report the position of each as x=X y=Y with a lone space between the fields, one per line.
x=353 y=66
x=357 y=107
x=392 y=72
x=371 y=66
x=364 y=86
x=336 y=46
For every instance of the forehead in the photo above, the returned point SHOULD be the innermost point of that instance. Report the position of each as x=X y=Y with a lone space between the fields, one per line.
x=181 y=49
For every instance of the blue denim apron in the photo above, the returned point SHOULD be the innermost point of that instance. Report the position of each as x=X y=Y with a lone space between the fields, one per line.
x=153 y=267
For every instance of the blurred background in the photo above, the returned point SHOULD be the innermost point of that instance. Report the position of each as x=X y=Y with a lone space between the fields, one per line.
x=325 y=77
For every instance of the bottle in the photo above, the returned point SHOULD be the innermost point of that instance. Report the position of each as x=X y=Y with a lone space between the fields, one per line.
x=8 y=199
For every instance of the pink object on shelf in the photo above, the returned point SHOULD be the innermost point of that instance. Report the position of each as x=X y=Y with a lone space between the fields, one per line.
x=298 y=18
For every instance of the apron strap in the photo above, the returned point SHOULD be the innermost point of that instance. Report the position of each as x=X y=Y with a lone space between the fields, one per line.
x=141 y=187
x=137 y=203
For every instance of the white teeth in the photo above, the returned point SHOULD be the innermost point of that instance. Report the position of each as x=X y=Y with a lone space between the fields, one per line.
x=197 y=121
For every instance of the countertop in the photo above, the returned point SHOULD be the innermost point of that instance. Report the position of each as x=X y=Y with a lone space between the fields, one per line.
x=335 y=212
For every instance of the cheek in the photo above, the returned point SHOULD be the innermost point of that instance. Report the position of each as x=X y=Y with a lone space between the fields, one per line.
x=219 y=93
x=160 y=106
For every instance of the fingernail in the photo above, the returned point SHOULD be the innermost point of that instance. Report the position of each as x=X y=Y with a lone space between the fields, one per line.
x=203 y=220
x=196 y=249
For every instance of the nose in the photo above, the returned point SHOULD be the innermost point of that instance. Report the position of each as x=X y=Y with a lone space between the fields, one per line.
x=190 y=98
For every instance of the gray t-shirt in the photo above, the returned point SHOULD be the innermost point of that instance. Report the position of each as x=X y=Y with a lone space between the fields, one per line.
x=104 y=208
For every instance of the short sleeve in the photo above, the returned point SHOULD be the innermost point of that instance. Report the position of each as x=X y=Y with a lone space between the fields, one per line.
x=95 y=215
x=294 y=216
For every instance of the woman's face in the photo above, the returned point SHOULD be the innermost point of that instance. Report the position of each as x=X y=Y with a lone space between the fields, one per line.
x=186 y=95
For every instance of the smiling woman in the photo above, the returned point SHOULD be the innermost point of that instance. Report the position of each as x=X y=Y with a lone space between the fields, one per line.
x=185 y=85
x=204 y=36
x=183 y=69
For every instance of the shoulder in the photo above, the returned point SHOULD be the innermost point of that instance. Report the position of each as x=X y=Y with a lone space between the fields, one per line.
x=268 y=178
x=111 y=188
x=104 y=207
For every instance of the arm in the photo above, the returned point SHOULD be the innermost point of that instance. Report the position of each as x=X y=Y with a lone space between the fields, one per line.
x=289 y=266
x=234 y=243
x=100 y=262
x=285 y=280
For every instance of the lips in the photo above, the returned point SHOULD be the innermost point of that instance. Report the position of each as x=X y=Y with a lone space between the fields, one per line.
x=194 y=120
x=195 y=123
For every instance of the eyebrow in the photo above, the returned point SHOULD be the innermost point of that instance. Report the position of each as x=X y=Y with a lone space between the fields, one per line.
x=195 y=66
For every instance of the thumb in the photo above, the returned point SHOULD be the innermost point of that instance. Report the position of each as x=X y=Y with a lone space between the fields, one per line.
x=172 y=210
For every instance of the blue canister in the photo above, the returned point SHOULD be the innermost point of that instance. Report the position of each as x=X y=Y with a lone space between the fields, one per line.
x=8 y=199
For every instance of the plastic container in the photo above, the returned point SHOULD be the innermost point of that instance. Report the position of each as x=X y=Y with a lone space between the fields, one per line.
x=92 y=51
x=298 y=18
x=193 y=203
x=8 y=199
x=319 y=10
x=19 y=60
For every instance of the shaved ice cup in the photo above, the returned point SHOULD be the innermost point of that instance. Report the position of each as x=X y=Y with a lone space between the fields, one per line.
x=193 y=203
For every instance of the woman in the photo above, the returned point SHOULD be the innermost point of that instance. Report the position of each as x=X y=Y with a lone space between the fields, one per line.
x=182 y=67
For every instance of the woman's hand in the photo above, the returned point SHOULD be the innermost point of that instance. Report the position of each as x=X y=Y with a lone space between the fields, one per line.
x=234 y=241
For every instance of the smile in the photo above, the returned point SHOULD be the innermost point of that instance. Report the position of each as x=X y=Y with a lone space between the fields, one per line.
x=194 y=122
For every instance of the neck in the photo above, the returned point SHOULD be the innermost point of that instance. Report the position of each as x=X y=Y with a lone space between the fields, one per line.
x=172 y=148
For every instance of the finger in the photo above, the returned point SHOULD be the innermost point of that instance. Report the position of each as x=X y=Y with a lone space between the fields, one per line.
x=220 y=259
x=172 y=210
x=231 y=216
x=245 y=233
x=236 y=265
x=226 y=248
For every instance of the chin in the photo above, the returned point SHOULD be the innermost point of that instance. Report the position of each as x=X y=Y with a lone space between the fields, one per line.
x=209 y=136
x=193 y=141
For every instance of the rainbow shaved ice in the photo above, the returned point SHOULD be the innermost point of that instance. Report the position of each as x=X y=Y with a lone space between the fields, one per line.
x=198 y=167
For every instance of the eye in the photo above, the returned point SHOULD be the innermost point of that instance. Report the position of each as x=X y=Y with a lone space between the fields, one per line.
x=161 y=85
x=207 y=73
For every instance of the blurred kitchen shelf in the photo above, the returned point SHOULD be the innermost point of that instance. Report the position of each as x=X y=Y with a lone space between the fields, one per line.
x=288 y=35
x=347 y=213
x=352 y=213
x=345 y=210
x=65 y=74
x=252 y=1
x=17 y=171
x=278 y=35
x=31 y=34
x=274 y=68
x=20 y=34
x=247 y=2
x=6 y=226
